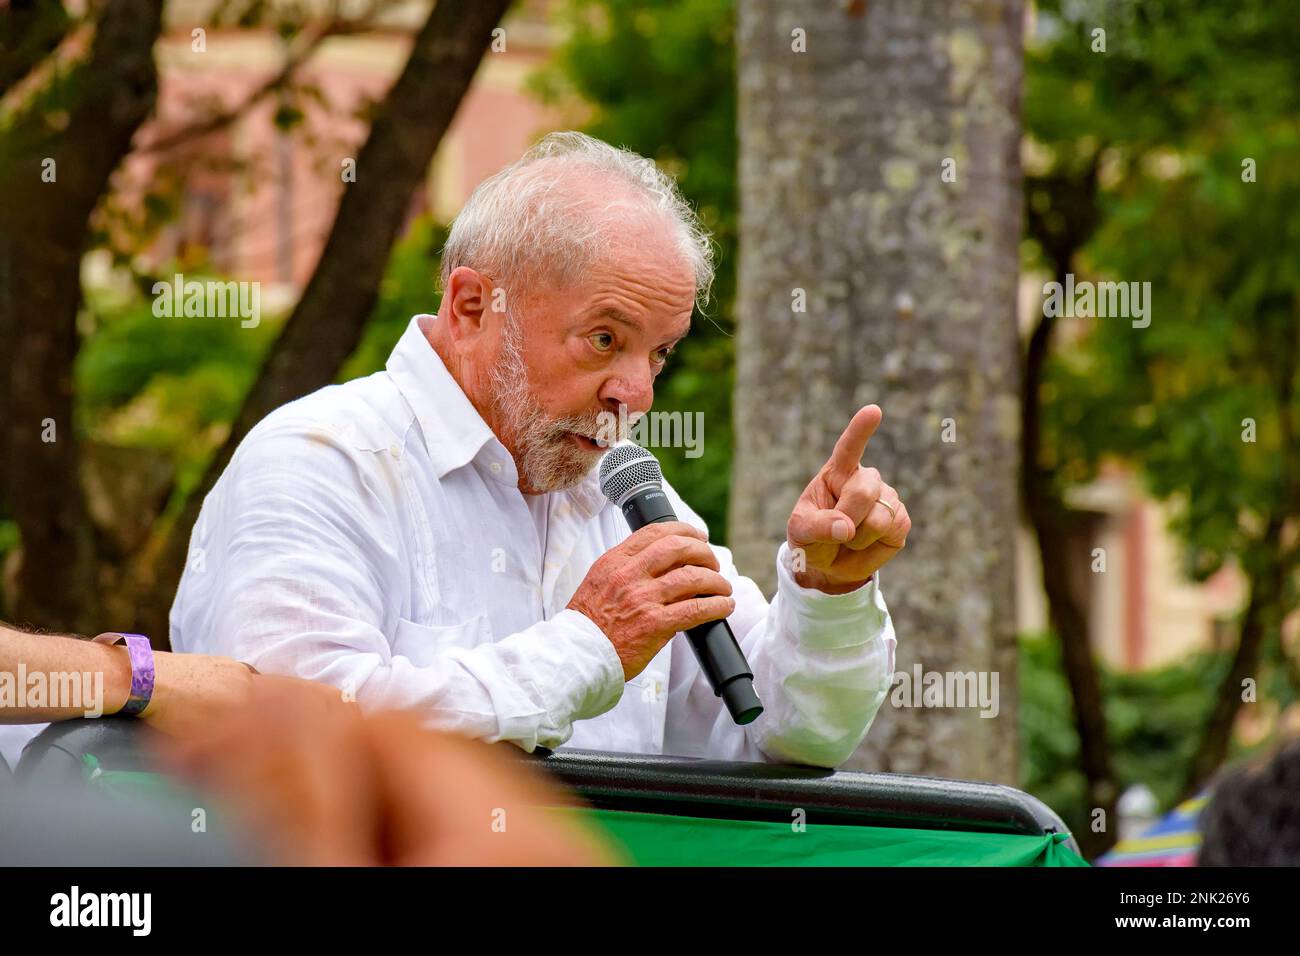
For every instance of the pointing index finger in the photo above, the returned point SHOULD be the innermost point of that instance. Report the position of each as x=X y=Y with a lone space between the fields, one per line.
x=853 y=443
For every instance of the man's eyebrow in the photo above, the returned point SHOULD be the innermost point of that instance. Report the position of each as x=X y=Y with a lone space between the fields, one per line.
x=615 y=315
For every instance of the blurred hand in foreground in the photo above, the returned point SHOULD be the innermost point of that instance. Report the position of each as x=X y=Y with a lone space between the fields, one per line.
x=321 y=784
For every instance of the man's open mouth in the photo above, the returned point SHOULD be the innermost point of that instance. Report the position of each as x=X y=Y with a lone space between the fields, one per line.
x=585 y=442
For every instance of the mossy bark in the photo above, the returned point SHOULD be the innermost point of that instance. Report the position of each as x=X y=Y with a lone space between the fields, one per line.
x=880 y=184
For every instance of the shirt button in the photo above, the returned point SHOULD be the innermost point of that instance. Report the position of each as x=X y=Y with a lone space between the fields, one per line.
x=496 y=467
x=394 y=451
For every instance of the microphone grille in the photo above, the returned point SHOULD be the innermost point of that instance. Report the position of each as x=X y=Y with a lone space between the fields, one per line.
x=625 y=467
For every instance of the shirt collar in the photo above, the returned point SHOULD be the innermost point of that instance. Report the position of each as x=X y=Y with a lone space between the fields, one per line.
x=586 y=496
x=453 y=430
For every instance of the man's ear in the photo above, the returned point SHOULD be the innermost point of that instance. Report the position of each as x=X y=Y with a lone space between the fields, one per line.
x=469 y=297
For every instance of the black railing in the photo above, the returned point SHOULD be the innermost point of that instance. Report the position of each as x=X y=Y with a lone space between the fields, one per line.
x=757 y=791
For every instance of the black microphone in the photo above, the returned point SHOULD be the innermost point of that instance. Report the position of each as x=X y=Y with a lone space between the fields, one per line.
x=631 y=478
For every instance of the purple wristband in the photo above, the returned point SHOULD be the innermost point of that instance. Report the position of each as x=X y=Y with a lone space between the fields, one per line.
x=141 y=655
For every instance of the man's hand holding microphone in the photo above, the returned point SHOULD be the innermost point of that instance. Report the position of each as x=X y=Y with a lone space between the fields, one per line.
x=661 y=580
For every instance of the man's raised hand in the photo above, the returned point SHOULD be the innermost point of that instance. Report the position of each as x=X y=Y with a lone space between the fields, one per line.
x=848 y=522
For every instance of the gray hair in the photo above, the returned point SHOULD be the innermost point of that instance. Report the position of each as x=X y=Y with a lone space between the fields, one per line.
x=528 y=219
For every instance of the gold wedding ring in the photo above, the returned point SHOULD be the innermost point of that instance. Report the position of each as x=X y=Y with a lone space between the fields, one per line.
x=889 y=506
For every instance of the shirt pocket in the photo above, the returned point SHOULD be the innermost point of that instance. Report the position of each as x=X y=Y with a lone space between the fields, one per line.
x=422 y=644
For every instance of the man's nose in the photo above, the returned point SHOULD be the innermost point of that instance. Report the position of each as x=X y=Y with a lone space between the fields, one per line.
x=633 y=386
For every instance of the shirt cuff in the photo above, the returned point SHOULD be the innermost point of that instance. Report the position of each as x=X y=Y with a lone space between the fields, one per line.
x=827 y=620
x=588 y=674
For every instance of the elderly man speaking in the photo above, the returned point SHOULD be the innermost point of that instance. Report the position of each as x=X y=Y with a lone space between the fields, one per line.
x=434 y=536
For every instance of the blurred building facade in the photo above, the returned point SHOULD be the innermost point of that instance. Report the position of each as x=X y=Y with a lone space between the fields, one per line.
x=1142 y=612
x=258 y=201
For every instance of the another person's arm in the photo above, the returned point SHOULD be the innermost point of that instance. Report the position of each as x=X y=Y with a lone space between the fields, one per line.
x=82 y=678
x=32 y=659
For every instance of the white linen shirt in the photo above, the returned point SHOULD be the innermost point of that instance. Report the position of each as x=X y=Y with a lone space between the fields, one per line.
x=373 y=536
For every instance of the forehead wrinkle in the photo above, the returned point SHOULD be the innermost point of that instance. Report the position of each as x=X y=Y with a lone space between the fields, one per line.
x=630 y=285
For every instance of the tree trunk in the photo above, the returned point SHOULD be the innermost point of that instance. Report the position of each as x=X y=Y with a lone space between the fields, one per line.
x=51 y=180
x=1051 y=522
x=910 y=285
x=1269 y=566
x=1061 y=228
x=1262 y=617
x=327 y=322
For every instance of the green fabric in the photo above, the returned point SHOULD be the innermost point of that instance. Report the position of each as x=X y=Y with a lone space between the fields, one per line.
x=651 y=839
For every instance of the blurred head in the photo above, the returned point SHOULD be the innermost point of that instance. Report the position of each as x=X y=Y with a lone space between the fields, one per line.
x=568 y=278
x=1253 y=815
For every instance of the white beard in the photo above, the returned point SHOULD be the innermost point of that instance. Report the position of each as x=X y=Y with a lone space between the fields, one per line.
x=546 y=457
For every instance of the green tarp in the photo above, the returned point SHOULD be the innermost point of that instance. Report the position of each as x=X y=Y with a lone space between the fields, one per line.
x=651 y=839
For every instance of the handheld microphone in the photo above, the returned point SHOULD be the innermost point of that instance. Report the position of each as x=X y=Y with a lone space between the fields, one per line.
x=631 y=478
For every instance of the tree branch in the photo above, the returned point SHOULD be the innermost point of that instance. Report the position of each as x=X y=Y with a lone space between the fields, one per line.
x=298 y=55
